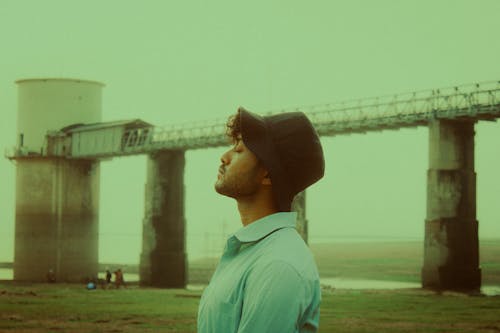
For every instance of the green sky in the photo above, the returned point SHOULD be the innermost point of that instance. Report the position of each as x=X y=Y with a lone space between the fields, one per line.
x=168 y=62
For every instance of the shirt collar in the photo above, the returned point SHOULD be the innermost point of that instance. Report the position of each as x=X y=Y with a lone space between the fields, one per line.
x=266 y=225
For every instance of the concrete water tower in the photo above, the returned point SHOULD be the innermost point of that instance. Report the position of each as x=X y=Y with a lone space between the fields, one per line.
x=56 y=198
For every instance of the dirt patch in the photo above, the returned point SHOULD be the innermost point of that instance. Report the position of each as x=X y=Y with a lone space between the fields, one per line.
x=17 y=293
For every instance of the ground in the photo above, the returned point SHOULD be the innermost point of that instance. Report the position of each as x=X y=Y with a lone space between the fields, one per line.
x=37 y=308
x=45 y=308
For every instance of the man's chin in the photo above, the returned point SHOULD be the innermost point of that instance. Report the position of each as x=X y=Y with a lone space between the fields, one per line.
x=218 y=188
x=222 y=191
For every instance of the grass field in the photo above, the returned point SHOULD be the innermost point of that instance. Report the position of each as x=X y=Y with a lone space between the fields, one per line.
x=71 y=308
x=37 y=308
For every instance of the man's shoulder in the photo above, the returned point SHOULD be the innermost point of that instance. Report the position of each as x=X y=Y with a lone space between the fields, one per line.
x=285 y=246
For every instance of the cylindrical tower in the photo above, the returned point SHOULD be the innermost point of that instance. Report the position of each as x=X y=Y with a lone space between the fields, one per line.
x=56 y=198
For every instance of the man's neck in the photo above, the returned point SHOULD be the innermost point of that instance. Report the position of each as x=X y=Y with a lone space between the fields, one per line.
x=251 y=211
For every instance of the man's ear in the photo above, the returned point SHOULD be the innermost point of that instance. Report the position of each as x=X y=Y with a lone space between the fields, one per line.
x=267 y=179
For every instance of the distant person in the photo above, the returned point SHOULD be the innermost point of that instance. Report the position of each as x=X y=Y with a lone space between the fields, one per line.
x=51 y=276
x=108 y=277
x=266 y=280
x=119 y=278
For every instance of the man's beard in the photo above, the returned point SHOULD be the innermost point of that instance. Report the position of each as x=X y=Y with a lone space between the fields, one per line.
x=238 y=185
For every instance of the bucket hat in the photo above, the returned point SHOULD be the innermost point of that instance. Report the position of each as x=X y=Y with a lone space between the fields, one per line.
x=289 y=148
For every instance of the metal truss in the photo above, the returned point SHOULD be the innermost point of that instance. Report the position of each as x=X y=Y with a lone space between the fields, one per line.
x=472 y=102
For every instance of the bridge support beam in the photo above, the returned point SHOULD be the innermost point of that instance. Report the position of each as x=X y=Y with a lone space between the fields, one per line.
x=299 y=206
x=451 y=250
x=163 y=258
x=57 y=214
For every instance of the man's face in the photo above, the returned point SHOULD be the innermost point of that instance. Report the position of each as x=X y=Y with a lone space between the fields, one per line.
x=240 y=174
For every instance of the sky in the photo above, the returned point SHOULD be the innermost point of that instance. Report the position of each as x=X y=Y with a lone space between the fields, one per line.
x=168 y=62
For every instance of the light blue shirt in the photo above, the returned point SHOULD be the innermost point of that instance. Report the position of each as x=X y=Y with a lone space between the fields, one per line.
x=266 y=281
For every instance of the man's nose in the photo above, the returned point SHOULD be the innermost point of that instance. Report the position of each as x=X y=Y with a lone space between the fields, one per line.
x=225 y=158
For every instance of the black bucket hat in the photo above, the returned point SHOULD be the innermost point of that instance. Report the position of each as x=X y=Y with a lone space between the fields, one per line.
x=289 y=148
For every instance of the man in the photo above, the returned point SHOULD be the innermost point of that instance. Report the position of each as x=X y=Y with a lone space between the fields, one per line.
x=119 y=281
x=266 y=280
x=108 y=276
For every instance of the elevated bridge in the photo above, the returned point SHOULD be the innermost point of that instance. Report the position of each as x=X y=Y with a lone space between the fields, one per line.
x=468 y=102
x=72 y=153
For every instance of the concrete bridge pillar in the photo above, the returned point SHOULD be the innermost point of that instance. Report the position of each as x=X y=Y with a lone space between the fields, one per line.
x=299 y=206
x=163 y=258
x=451 y=251
x=57 y=217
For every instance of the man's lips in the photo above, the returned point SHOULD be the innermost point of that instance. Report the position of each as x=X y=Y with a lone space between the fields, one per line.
x=221 y=171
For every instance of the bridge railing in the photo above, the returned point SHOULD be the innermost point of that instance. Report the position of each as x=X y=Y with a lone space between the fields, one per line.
x=412 y=108
x=433 y=102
